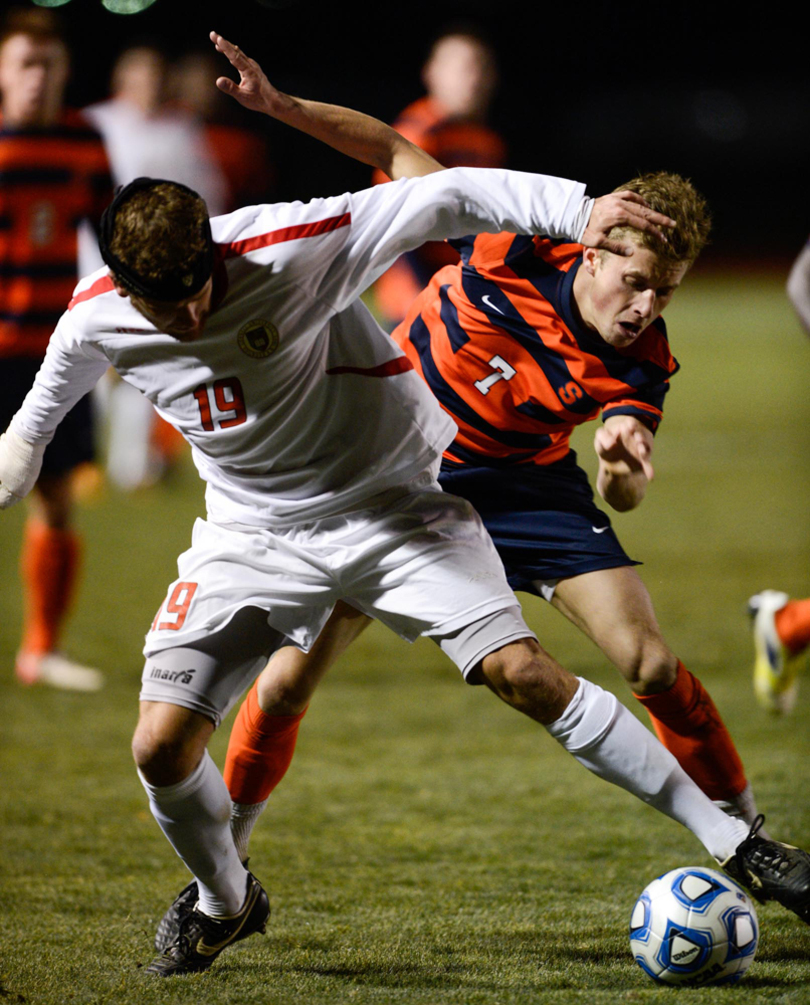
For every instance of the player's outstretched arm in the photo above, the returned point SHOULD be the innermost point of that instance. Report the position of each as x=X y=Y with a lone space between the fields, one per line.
x=20 y=464
x=624 y=448
x=798 y=286
x=352 y=133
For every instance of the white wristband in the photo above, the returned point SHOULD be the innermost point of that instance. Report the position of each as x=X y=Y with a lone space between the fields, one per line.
x=20 y=464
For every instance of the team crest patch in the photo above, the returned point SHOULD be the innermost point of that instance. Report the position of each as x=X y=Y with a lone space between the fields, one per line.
x=258 y=339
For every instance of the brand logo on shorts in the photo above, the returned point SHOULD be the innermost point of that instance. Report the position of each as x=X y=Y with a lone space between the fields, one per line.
x=258 y=339
x=175 y=676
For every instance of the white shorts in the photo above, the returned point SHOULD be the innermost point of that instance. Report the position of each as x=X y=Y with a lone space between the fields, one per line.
x=419 y=560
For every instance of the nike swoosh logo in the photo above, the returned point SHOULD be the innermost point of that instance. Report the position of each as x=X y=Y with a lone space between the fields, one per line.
x=599 y=530
x=202 y=946
x=485 y=299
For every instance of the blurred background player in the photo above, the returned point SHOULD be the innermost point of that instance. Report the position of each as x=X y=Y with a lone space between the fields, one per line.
x=145 y=135
x=781 y=625
x=239 y=151
x=781 y=636
x=460 y=76
x=53 y=173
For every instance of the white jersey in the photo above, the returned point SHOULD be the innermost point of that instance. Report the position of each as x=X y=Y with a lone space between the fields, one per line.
x=296 y=404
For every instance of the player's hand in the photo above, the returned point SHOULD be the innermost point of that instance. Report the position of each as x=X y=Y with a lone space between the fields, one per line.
x=625 y=445
x=20 y=464
x=254 y=90
x=621 y=209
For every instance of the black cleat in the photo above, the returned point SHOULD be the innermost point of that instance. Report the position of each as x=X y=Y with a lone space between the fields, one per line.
x=772 y=871
x=181 y=907
x=183 y=904
x=201 y=939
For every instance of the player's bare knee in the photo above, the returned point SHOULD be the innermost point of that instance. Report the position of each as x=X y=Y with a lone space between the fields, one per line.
x=167 y=748
x=653 y=670
x=526 y=677
x=280 y=693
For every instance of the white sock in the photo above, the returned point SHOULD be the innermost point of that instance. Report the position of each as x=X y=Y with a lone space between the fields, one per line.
x=610 y=741
x=243 y=819
x=194 y=815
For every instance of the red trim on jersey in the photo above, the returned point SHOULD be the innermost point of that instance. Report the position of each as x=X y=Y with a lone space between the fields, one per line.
x=300 y=230
x=389 y=369
x=103 y=285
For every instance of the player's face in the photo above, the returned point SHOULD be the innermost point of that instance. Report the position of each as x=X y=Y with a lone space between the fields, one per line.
x=626 y=294
x=183 y=320
x=33 y=74
x=461 y=76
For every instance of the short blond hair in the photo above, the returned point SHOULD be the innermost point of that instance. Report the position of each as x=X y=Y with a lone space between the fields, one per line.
x=678 y=198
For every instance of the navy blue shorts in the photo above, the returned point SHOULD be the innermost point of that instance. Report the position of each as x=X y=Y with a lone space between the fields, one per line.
x=72 y=444
x=542 y=519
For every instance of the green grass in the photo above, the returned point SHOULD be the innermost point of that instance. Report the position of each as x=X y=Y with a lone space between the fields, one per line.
x=429 y=845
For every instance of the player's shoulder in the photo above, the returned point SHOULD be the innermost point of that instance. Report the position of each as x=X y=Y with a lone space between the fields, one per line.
x=489 y=252
x=89 y=288
x=76 y=125
x=276 y=228
x=419 y=116
x=652 y=346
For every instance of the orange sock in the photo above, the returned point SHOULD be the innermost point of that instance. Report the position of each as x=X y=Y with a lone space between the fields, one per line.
x=49 y=564
x=260 y=750
x=793 y=625
x=689 y=726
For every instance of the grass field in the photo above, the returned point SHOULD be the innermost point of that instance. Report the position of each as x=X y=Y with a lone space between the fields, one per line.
x=429 y=845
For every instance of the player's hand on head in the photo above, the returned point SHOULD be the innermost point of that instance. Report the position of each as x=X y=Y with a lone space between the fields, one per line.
x=622 y=209
x=253 y=90
x=627 y=443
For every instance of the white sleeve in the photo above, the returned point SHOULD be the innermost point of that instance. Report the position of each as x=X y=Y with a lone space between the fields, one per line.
x=70 y=369
x=388 y=220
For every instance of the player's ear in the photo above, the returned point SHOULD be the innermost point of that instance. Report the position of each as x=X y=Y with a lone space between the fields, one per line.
x=590 y=258
x=119 y=289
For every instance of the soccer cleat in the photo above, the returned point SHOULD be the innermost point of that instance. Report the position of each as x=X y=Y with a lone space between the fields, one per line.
x=775 y=670
x=201 y=938
x=181 y=907
x=772 y=871
x=183 y=904
x=58 y=671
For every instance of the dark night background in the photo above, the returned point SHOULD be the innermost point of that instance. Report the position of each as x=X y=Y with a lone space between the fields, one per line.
x=594 y=91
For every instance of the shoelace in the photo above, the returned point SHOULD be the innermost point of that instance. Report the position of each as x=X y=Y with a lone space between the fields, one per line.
x=191 y=927
x=773 y=856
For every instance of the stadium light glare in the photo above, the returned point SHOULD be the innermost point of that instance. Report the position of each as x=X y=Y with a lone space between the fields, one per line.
x=126 y=6
x=50 y=3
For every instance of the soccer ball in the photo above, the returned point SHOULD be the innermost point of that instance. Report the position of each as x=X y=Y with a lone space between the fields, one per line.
x=694 y=926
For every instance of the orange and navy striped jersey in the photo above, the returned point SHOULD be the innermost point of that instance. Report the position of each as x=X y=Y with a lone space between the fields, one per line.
x=497 y=339
x=50 y=179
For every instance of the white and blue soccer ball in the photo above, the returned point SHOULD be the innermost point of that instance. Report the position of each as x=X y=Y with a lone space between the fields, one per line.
x=692 y=927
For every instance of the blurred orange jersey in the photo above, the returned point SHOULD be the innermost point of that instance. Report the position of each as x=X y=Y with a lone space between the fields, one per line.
x=498 y=340
x=453 y=143
x=50 y=179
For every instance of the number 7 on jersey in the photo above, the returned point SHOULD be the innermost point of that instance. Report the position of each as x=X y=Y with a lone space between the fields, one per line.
x=503 y=372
